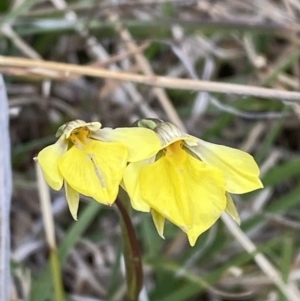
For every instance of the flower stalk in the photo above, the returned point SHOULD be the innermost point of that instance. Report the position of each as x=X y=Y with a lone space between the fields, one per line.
x=132 y=255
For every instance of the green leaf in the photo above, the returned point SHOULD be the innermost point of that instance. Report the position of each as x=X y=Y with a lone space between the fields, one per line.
x=41 y=289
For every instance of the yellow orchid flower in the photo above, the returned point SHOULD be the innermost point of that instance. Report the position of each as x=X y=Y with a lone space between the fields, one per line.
x=89 y=160
x=189 y=180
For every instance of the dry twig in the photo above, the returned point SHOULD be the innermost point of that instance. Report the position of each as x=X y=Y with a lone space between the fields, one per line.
x=157 y=81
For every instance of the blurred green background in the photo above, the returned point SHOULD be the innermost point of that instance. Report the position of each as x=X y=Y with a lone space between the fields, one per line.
x=245 y=42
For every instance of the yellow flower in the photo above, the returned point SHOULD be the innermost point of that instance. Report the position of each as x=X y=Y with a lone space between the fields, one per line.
x=91 y=161
x=189 y=180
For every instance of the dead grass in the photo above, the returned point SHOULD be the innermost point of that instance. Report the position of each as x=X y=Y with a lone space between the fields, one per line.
x=227 y=71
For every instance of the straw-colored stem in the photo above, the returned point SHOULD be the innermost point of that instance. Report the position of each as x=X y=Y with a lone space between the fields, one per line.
x=5 y=195
x=44 y=194
x=289 y=290
x=158 y=81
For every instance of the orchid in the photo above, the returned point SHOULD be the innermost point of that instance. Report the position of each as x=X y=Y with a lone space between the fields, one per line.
x=91 y=161
x=189 y=181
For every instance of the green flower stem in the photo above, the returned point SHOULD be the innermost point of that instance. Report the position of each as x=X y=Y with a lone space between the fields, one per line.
x=132 y=255
x=57 y=277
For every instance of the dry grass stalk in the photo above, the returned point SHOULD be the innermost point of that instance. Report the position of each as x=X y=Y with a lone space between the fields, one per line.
x=5 y=195
x=157 y=81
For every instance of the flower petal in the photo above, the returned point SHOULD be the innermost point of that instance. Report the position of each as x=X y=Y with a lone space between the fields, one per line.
x=170 y=133
x=70 y=126
x=240 y=171
x=191 y=195
x=131 y=184
x=159 y=222
x=141 y=143
x=96 y=170
x=193 y=235
x=48 y=160
x=73 y=199
x=231 y=209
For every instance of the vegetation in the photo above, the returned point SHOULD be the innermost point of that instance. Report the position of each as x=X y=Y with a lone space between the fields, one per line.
x=249 y=53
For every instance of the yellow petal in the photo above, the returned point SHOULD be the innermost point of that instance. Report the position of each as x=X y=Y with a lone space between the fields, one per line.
x=96 y=170
x=141 y=143
x=240 y=171
x=193 y=235
x=132 y=184
x=73 y=199
x=159 y=222
x=191 y=194
x=48 y=160
x=231 y=209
